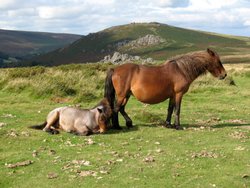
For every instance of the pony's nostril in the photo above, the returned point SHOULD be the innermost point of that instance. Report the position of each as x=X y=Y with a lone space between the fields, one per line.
x=225 y=75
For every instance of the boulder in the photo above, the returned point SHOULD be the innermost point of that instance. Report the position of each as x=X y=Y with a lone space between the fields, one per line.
x=119 y=58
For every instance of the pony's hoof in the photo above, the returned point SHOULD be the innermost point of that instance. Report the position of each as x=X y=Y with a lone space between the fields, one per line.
x=178 y=127
x=54 y=131
x=116 y=127
x=169 y=126
x=129 y=124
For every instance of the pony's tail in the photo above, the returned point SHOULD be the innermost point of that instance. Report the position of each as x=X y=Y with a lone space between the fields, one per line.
x=40 y=127
x=109 y=91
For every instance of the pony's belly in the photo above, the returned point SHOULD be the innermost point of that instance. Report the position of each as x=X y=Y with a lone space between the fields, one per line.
x=67 y=122
x=150 y=97
x=66 y=126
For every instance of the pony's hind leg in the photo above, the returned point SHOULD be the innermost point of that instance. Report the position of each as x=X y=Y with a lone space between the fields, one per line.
x=129 y=122
x=170 y=112
x=51 y=120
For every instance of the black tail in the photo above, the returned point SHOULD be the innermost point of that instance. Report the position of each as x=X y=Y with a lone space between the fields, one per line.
x=38 y=126
x=109 y=91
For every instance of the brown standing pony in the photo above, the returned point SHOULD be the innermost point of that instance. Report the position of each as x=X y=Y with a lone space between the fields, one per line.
x=154 y=84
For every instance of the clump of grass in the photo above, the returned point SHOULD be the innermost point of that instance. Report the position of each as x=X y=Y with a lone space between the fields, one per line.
x=25 y=72
x=18 y=85
x=85 y=96
x=82 y=82
x=247 y=74
x=208 y=82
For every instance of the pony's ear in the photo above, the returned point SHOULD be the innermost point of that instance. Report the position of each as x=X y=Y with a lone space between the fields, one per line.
x=210 y=52
x=100 y=109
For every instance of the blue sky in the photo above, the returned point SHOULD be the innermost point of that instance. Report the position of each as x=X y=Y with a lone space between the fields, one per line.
x=85 y=16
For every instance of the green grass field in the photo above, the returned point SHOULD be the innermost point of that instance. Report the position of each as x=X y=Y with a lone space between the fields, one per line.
x=212 y=151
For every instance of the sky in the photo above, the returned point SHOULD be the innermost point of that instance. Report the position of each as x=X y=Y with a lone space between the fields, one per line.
x=89 y=16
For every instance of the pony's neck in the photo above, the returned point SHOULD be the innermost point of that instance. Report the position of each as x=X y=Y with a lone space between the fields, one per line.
x=199 y=69
x=193 y=66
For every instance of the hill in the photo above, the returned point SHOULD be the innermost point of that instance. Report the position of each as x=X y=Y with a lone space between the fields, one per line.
x=159 y=41
x=16 y=45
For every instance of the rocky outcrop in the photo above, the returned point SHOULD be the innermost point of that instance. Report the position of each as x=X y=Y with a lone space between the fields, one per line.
x=146 y=41
x=119 y=58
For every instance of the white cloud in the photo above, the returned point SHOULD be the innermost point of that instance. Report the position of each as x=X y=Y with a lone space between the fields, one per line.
x=4 y=4
x=247 y=23
x=61 y=12
x=211 y=4
x=83 y=16
x=21 y=12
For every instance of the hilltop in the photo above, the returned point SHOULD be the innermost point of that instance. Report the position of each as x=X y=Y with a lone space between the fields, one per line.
x=155 y=40
x=16 y=45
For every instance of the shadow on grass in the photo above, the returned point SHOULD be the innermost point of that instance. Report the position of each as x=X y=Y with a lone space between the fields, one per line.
x=123 y=130
x=222 y=125
x=162 y=124
x=219 y=125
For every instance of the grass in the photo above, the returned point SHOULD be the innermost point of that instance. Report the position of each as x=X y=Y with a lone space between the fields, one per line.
x=213 y=150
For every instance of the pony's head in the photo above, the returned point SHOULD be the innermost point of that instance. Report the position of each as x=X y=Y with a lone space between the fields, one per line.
x=215 y=66
x=105 y=112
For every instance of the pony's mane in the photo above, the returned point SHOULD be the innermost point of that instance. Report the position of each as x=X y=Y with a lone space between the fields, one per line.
x=192 y=64
x=106 y=106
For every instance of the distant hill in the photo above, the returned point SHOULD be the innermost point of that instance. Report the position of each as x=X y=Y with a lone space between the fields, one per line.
x=159 y=41
x=16 y=45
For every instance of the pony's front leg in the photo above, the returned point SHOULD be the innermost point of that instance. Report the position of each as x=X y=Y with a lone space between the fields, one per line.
x=170 y=112
x=178 y=99
x=115 y=119
x=82 y=130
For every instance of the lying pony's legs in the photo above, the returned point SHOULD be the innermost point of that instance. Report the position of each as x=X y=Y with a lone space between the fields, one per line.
x=80 y=129
x=51 y=120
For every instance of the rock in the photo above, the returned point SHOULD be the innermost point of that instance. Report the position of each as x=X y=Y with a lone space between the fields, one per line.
x=116 y=58
x=137 y=58
x=149 y=60
x=8 y=116
x=87 y=173
x=23 y=163
x=149 y=159
x=52 y=175
x=119 y=58
x=125 y=57
x=2 y=124
x=147 y=40
x=89 y=141
x=107 y=58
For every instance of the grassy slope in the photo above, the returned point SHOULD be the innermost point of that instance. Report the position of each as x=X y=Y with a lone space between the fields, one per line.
x=178 y=40
x=23 y=43
x=212 y=151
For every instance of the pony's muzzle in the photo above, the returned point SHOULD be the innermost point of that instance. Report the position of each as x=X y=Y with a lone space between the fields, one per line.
x=102 y=130
x=223 y=76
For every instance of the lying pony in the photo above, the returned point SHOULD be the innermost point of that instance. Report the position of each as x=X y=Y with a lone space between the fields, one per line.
x=78 y=121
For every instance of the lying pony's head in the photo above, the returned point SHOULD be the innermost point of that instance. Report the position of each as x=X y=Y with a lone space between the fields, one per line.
x=105 y=113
